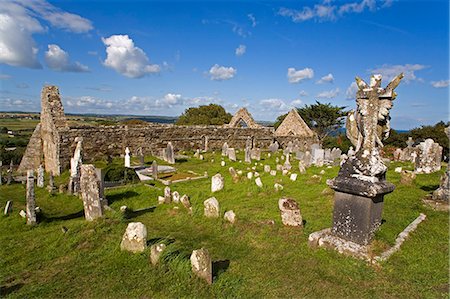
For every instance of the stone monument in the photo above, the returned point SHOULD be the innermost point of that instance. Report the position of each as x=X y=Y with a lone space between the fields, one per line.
x=361 y=183
x=91 y=193
x=127 y=157
x=31 y=203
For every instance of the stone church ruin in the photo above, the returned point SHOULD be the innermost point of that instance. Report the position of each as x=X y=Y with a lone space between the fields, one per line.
x=53 y=141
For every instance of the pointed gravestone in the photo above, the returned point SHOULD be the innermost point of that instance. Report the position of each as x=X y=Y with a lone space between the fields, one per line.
x=90 y=189
x=202 y=265
x=231 y=154
x=225 y=149
x=127 y=157
x=31 y=201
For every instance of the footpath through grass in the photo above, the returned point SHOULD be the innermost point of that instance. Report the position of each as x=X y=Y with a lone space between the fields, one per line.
x=265 y=260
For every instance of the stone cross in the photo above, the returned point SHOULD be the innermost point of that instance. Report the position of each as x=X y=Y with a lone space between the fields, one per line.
x=91 y=192
x=410 y=142
x=40 y=176
x=127 y=157
x=31 y=201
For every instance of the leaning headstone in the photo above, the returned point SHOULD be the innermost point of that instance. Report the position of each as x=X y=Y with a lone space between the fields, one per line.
x=229 y=216
x=290 y=212
x=217 y=183
x=156 y=251
x=225 y=149
x=231 y=154
x=8 y=207
x=301 y=167
x=212 y=208
x=135 y=238
x=197 y=153
x=186 y=203
x=31 y=201
x=40 y=176
x=90 y=189
x=429 y=155
x=127 y=157
x=23 y=214
x=170 y=156
x=167 y=195
x=202 y=265
x=258 y=182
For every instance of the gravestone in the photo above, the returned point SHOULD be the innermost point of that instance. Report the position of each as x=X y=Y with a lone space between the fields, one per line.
x=9 y=174
x=141 y=157
x=318 y=157
x=443 y=192
x=225 y=149
x=249 y=143
x=135 y=238
x=327 y=155
x=231 y=154
x=175 y=197
x=397 y=154
x=202 y=265
x=407 y=177
x=229 y=216
x=350 y=152
x=40 y=176
x=154 y=170
x=90 y=189
x=301 y=167
x=290 y=212
x=186 y=203
x=247 y=154
x=156 y=251
x=361 y=183
x=8 y=207
x=51 y=183
x=266 y=168
x=336 y=154
x=167 y=195
x=299 y=155
x=307 y=159
x=409 y=152
x=278 y=187
x=31 y=201
x=170 y=156
x=233 y=174
x=1 y=181
x=255 y=154
x=429 y=155
x=258 y=182
x=212 y=208
x=75 y=165
x=273 y=147
x=197 y=153
x=217 y=183
x=293 y=177
x=127 y=157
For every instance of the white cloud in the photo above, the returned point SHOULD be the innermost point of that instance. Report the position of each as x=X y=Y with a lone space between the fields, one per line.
x=329 y=94
x=350 y=94
x=440 y=84
x=240 y=50
x=220 y=73
x=89 y=103
x=326 y=11
x=127 y=59
x=326 y=79
x=252 y=19
x=296 y=103
x=295 y=76
x=57 y=59
x=273 y=104
x=390 y=71
x=303 y=93
x=169 y=100
x=19 y=20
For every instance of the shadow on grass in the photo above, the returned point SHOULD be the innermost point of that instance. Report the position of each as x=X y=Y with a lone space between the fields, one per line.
x=10 y=289
x=43 y=218
x=120 y=196
x=135 y=213
x=429 y=188
x=166 y=241
x=219 y=267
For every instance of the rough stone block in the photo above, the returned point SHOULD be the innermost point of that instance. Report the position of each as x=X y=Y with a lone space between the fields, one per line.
x=134 y=238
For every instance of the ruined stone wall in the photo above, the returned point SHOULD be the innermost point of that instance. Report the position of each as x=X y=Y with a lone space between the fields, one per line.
x=103 y=141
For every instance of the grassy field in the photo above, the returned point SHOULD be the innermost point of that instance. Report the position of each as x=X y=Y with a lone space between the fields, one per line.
x=264 y=260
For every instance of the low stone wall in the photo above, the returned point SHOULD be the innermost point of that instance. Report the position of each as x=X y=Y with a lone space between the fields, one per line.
x=103 y=141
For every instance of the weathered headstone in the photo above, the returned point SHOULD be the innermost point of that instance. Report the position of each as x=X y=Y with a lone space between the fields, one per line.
x=274 y=147
x=231 y=154
x=229 y=216
x=170 y=156
x=141 y=157
x=217 y=182
x=51 y=183
x=361 y=185
x=273 y=172
x=327 y=155
x=154 y=170
x=249 y=143
x=247 y=155
x=443 y=192
x=318 y=157
x=31 y=201
x=266 y=168
x=40 y=176
x=127 y=157
x=429 y=155
x=301 y=167
x=336 y=154
x=409 y=153
x=397 y=154
x=175 y=197
x=351 y=152
x=407 y=177
x=222 y=163
x=307 y=159
x=225 y=149
x=156 y=251
x=290 y=212
x=212 y=208
x=249 y=175
x=233 y=174
x=258 y=182
x=278 y=187
x=135 y=238
x=202 y=265
x=255 y=154
x=90 y=189
x=186 y=203
x=293 y=177
x=75 y=165
x=167 y=195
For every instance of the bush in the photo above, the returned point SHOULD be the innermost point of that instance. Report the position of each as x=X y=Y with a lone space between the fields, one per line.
x=340 y=141
x=212 y=114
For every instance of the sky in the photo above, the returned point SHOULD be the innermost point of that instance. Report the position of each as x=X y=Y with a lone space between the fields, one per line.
x=162 y=57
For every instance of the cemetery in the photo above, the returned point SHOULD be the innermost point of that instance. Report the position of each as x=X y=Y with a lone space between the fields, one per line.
x=239 y=210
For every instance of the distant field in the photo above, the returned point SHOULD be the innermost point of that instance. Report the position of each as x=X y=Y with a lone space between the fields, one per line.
x=15 y=124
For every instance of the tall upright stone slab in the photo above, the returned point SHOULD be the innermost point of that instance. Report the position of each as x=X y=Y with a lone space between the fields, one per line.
x=231 y=154
x=127 y=157
x=248 y=156
x=91 y=192
x=40 y=176
x=170 y=156
x=75 y=167
x=202 y=265
x=31 y=201
x=154 y=170
x=361 y=183
x=225 y=149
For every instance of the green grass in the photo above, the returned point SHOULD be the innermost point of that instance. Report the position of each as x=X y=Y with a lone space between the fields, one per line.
x=265 y=260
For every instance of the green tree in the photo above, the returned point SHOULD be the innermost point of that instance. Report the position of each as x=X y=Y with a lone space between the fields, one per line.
x=324 y=119
x=211 y=114
x=435 y=132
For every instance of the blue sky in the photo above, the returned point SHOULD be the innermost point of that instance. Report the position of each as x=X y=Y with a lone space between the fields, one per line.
x=159 y=58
